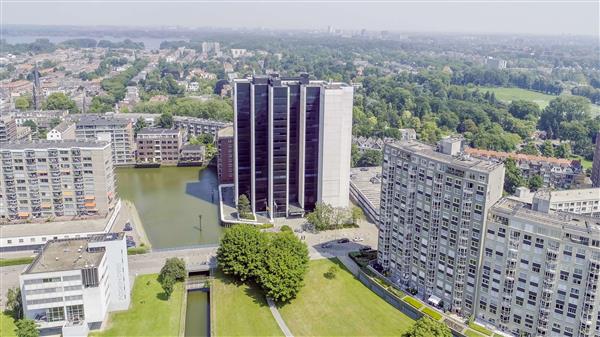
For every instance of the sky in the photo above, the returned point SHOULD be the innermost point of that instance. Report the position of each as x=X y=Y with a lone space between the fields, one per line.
x=542 y=17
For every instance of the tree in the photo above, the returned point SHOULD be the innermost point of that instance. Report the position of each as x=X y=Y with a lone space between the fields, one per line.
x=60 y=101
x=321 y=216
x=22 y=103
x=547 y=149
x=282 y=273
x=140 y=123
x=241 y=251
x=512 y=178
x=205 y=138
x=563 y=150
x=31 y=124
x=357 y=214
x=165 y=120
x=561 y=109
x=174 y=268
x=535 y=182
x=14 y=303
x=427 y=327
x=331 y=272
x=168 y=284
x=243 y=206
x=26 y=328
x=530 y=149
x=524 y=109
x=370 y=158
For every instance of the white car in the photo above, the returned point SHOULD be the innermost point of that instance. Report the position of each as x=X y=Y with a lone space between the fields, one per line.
x=357 y=239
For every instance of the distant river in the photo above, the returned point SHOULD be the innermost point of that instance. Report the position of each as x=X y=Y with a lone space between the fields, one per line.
x=170 y=201
x=149 y=42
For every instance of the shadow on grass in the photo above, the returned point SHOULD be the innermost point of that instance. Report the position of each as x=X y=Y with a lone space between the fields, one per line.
x=251 y=289
x=162 y=296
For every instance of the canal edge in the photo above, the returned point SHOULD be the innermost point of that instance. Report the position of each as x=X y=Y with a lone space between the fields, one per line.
x=212 y=306
x=183 y=311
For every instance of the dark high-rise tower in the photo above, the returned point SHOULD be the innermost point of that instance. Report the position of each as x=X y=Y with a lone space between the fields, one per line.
x=292 y=143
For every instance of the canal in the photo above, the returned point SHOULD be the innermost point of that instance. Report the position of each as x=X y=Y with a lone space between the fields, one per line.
x=196 y=314
x=177 y=205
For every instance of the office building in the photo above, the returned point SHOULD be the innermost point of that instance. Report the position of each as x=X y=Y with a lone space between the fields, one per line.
x=118 y=130
x=50 y=179
x=73 y=284
x=225 y=156
x=196 y=126
x=540 y=271
x=292 y=140
x=596 y=164
x=8 y=129
x=158 y=146
x=432 y=220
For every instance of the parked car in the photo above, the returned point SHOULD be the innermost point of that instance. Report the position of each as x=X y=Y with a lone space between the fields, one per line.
x=358 y=239
x=343 y=240
x=130 y=244
x=365 y=249
x=326 y=245
x=128 y=226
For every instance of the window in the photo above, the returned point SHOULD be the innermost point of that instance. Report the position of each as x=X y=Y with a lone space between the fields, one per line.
x=55 y=314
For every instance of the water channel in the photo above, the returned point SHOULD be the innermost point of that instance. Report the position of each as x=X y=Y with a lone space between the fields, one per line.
x=177 y=205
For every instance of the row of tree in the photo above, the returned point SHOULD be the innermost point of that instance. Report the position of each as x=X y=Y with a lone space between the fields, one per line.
x=277 y=262
x=327 y=217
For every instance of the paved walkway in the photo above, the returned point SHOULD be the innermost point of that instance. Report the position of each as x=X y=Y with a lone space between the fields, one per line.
x=284 y=328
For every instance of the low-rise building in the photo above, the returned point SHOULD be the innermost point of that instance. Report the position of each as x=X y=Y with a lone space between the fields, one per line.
x=158 y=146
x=195 y=126
x=73 y=284
x=63 y=131
x=225 y=163
x=191 y=155
x=540 y=272
x=50 y=179
x=555 y=172
x=365 y=190
x=119 y=130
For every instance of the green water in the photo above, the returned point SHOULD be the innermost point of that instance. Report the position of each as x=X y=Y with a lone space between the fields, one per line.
x=170 y=201
x=196 y=315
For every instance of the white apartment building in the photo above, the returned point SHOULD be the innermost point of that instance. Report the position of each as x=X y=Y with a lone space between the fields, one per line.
x=540 y=271
x=54 y=179
x=432 y=220
x=74 y=283
x=120 y=132
x=63 y=131
x=584 y=201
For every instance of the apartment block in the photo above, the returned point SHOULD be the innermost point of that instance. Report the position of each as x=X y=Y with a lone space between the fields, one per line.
x=158 y=146
x=585 y=201
x=292 y=140
x=539 y=275
x=49 y=179
x=596 y=164
x=432 y=217
x=8 y=129
x=73 y=284
x=195 y=126
x=63 y=131
x=118 y=130
x=192 y=155
x=225 y=157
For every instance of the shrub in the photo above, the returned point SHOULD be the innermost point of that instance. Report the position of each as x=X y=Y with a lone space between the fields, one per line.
x=286 y=228
x=413 y=301
x=432 y=313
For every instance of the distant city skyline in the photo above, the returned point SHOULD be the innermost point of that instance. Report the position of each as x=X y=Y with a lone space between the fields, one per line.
x=435 y=16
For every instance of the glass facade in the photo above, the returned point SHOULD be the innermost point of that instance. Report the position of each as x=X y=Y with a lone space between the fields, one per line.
x=261 y=146
x=280 y=150
x=311 y=158
x=243 y=139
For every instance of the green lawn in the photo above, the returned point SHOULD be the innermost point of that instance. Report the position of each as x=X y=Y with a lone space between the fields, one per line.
x=240 y=310
x=510 y=94
x=341 y=306
x=480 y=328
x=7 y=325
x=15 y=261
x=150 y=314
x=413 y=301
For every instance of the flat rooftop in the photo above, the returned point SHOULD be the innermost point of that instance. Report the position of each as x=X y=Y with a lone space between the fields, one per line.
x=368 y=181
x=61 y=255
x=463 y=161
x=573 y=195
x=101 y=120
x=53 y=144
x=584 y=225
x=158 y=131
x=226 y=132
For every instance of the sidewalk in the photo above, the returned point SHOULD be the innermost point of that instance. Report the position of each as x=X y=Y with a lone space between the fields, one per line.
x=286 y=331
